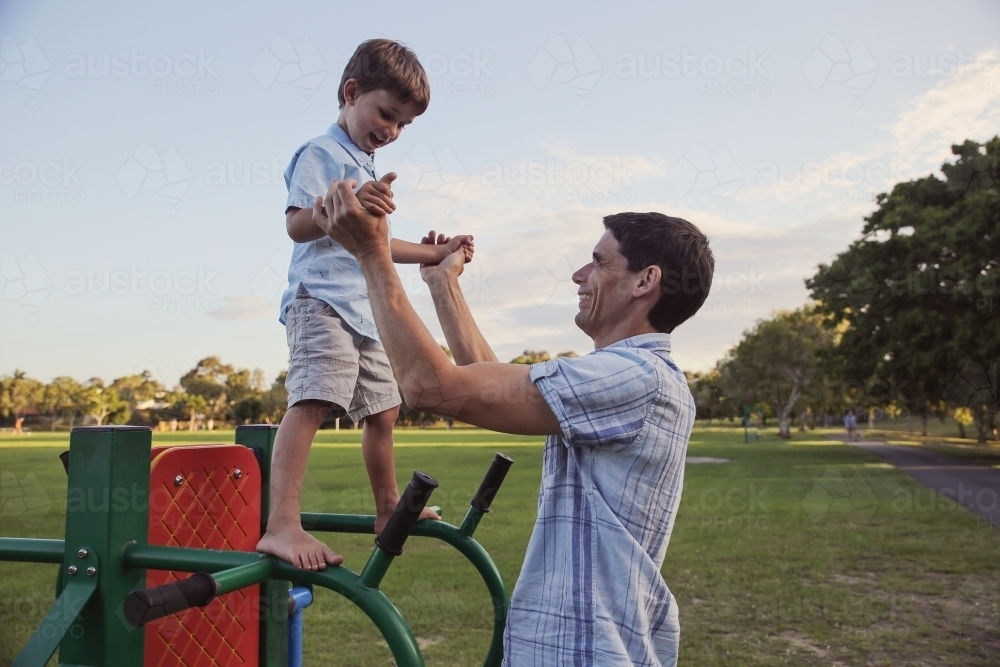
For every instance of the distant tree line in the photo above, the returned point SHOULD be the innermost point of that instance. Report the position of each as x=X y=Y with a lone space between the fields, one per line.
x=210 y=392
x=906 y=320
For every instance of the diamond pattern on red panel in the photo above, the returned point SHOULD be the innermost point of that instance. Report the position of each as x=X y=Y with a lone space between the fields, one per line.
x=211 y=509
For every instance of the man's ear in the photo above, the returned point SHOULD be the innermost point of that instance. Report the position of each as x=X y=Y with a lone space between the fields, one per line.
x=649 y=281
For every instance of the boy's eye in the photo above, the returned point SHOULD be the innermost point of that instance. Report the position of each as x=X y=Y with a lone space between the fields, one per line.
x=385 y=115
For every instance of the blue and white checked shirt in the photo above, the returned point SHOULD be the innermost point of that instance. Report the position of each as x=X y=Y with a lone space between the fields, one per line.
x=323 y=267
x=590 y=590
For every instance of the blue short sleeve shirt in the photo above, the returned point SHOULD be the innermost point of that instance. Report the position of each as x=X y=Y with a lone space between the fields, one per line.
x=590 y=590
x=323 y=267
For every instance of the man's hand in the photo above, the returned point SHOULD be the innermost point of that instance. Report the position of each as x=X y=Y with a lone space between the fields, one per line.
x=376 y=196
x=451 y=266
x=347 y=222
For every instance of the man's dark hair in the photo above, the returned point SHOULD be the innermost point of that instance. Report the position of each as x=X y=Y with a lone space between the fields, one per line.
x=382 y=64
x=682 y=253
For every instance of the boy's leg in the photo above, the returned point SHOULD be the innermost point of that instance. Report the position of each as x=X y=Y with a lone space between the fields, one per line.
x=285 y=537
x=377 y=450
x=376 y=399
x=322 y=373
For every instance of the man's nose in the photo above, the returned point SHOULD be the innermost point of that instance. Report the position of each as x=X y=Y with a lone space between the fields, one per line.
x=581 y=274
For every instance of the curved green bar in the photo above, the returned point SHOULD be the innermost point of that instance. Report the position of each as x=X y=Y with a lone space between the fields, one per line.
x=374 y=603
x=468 y=547
x=341 y=580
x=28 y=550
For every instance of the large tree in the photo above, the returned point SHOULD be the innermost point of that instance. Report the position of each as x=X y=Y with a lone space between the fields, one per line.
x=776 y=362
x=916 y=297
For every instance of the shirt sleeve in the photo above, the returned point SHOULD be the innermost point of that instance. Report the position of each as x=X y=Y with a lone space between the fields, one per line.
x=312 y=169
x=599 y=399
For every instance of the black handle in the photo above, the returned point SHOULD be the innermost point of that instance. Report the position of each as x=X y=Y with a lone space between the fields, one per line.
x=407 y=511
x=491 y=483
x=147 y=605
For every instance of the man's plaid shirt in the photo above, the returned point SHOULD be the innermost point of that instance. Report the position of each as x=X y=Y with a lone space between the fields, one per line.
x=590 y=590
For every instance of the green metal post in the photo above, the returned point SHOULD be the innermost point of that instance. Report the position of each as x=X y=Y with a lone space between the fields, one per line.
x=471 y=522
x=233 y=579
x=273 y=594
x=107 y=505
x=375 y=569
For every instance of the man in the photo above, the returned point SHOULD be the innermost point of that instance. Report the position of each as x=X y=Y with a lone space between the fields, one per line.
x=617 y=420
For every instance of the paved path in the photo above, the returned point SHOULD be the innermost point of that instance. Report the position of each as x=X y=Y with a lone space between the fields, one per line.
x=974 y=487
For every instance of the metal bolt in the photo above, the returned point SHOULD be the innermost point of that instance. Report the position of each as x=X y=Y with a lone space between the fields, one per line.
x=72 y=570
x=237 y=473
x=178 y=480
x=81 y=553
x=91 y=571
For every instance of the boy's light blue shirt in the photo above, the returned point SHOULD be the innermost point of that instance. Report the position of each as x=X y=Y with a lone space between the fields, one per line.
x=590 y=590
x=327 y=271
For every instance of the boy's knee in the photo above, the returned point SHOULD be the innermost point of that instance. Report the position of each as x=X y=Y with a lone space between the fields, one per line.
x=384 y=419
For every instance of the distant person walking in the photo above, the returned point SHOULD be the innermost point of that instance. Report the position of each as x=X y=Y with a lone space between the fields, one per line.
x=851 y=423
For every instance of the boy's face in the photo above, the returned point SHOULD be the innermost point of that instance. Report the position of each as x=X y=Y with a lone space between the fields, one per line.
x=374 y=119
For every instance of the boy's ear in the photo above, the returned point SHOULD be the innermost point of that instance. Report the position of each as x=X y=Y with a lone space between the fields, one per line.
x=350 y=91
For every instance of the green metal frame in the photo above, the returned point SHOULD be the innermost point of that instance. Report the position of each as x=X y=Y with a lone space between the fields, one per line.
x=458 y=537
x=105 y=555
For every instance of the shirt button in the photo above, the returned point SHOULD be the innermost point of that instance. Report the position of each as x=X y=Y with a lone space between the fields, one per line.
x=550 y=366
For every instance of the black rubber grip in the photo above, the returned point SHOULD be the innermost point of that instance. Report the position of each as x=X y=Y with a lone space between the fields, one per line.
x=491 y=483
x=407 y=511
x=64 y=457
x=147 y=605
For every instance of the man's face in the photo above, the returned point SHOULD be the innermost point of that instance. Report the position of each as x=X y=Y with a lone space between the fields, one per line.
x=605 y=285
x=376 y=118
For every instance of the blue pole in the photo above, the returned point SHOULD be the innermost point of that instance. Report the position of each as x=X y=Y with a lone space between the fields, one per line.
x=299 y=598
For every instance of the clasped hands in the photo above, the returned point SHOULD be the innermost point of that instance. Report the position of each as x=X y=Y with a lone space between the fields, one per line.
x=357 y=221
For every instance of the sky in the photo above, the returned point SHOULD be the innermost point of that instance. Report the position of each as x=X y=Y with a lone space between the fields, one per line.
x=142 y=147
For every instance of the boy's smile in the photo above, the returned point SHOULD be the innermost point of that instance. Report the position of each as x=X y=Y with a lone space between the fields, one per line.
x=374 y=119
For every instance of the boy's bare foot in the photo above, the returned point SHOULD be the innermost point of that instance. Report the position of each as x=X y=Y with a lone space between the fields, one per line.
x=382 y=519
x=299 y=548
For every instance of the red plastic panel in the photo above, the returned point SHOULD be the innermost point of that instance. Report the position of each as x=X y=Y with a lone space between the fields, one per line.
x=216 y=505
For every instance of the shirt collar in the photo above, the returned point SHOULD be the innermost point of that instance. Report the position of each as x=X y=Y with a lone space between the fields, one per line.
x=650 y=341
x=362 y=158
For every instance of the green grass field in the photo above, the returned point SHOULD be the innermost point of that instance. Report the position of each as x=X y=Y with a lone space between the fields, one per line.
x=791 y=553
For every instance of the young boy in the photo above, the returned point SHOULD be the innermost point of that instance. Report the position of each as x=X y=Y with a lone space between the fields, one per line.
x=337 y=364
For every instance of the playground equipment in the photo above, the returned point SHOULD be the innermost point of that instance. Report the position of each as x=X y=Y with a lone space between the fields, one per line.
x=185 y=525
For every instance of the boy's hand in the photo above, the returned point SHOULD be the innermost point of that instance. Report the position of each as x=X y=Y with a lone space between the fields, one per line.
x=462 y=242
x=342 y=217
x=376 y=196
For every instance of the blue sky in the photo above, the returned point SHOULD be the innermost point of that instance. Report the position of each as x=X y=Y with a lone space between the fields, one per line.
x=142 y=147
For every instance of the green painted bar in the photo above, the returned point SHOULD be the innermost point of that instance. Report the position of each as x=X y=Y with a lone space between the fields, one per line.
x=26 y=550
x=183 y=559
x=107 y=505
x=339 y=523
x=373 y=603
x=274 y=594
x=45 y=640
x=471 y=522
x=236 y=578
x=375 y=569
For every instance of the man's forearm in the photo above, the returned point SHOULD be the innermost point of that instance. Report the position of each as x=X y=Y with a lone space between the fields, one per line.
x=417 y=361
x=465 y=340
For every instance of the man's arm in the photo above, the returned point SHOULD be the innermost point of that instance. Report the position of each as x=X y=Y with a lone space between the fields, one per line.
x=465 y=340
x=496 y=396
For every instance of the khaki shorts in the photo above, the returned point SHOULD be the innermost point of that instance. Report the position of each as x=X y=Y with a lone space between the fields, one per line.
x=331 y=362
